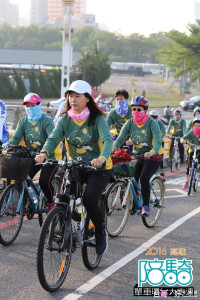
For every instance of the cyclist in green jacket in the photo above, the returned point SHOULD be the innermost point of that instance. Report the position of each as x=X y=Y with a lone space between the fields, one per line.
x=196 y=114
x=154 y=116
x=88 y=136
x=146 y=139
x=179 y=128
x=35 y=127
x=193 y=136
x=121 y=113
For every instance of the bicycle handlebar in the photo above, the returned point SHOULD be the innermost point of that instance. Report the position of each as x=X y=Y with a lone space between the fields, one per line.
x=193 y=145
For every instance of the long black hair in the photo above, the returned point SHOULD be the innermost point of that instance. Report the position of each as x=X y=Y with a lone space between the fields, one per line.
x=92 y=106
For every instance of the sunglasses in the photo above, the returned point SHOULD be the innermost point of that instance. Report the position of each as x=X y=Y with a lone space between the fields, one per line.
x=138 y=109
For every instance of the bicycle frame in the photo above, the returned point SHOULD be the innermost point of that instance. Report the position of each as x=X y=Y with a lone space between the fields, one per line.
x=194 y=164
x=133 y=186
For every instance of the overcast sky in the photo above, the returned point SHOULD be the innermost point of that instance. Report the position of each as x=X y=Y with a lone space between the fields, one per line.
x=141 y=16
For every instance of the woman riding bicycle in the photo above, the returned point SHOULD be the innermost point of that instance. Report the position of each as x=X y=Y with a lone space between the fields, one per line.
x=35 y=127
x=88 y=136
x=193 y=136
x=145 y=136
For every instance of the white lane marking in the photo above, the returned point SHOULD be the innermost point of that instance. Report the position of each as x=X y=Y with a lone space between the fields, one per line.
x=183 y=193
x=88 y=286
x=176 y=181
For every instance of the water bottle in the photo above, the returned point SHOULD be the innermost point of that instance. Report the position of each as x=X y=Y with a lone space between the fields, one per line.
x=32 y=194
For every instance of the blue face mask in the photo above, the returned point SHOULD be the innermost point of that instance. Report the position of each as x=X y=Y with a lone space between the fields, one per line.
x=197 y=116
x=34 y=113
x=122 y=107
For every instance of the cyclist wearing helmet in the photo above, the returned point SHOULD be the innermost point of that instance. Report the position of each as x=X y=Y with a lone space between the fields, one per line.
x=193 y=136
x=154 y=116
x=145 y=136
x=35 y=127
x=167 y=112
x=121 y=113
x=196 y=114
x=179 y=128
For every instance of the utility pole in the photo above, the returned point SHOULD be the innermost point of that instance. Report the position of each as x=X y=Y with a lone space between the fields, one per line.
x=66 y=47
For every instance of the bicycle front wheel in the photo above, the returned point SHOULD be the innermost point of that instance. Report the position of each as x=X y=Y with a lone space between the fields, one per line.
x=190 y=181
x=156 y=202
x=118 y=207
x=10 y=220
x=173 y=160
x=195 y=183
x=54 y=250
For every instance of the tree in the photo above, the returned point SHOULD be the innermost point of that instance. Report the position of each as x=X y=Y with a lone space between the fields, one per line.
x=183 y=52
x=95 y=67
x=20 y=89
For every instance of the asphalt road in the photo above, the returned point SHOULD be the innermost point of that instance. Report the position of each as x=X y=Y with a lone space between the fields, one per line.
x=176 y=236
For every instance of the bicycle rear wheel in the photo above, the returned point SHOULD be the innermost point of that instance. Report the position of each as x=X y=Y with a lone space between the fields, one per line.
x=191 y=174
x=156 y=202
x=90 y=258
x=54 y=250
x=118 y=207
x=10 y=221
x=43 y=202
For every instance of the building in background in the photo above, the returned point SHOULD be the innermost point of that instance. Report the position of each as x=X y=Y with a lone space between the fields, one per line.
x=50 y=12
x=197 y=10
x=9 y=13
x=39 y=12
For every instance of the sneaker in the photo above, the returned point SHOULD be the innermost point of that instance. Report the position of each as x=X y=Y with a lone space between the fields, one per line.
x=101 y=242
x=145 y=211
x=185 y=186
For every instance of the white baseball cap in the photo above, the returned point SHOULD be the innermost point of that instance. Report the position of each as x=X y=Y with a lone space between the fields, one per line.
x=79 y=87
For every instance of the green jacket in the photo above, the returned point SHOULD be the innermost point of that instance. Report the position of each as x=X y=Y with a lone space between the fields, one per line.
x=116 y=120
x=87 y=142
x=144 y=138
x=34 y=134
x=178 y=127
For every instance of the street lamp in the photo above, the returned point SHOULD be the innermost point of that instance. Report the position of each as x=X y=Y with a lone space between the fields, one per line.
x=66 y=46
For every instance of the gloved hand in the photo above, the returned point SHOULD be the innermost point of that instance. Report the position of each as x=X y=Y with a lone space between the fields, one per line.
x=6 y=145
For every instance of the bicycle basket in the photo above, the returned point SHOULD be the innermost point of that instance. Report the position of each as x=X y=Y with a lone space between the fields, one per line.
x=16 y=163
x=125 y=169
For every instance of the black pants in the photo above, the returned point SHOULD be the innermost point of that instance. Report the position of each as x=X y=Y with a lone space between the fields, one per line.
x=96 y=184
x=144 y=171
x=181 y=149
x=46 y=176
x=162 y=162
x=190 y=160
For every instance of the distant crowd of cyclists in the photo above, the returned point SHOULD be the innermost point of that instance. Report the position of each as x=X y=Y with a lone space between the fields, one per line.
x=87 y=133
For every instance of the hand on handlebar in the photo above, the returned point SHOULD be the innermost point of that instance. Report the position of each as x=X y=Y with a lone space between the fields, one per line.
x=98 y=162
x=41 y=157
x=149 y=154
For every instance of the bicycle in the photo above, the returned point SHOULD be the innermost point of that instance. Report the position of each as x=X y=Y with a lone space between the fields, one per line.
x=66 y=227
x=194 y=170
x=124 y=197
x=174 y=155
x=16 y=202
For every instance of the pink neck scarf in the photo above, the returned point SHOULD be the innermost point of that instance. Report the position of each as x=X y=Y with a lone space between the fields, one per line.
x=196 y=131
x=139 y=117
x=79 y=117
